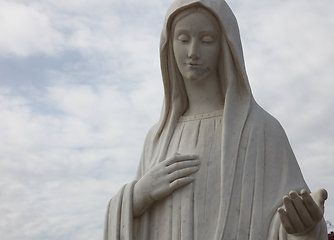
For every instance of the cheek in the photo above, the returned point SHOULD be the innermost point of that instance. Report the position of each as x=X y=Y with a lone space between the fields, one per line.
x=177 y=48
x=213 y=55
x=179 y=54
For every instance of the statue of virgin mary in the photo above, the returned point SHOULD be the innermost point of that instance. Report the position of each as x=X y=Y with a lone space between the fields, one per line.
x=216 y=166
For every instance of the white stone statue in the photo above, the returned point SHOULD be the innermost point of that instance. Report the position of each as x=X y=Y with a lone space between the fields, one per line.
x=216 y=166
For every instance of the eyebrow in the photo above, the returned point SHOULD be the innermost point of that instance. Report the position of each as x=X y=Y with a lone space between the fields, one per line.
x=184 y=31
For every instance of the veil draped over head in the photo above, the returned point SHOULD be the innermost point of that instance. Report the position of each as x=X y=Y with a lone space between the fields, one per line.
x=258 y=166
x=231 y=67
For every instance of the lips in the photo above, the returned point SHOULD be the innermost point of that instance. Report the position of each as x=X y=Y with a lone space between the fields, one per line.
x=193 y=64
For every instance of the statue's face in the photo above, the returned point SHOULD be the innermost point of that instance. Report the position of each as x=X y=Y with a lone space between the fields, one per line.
x=196 y=46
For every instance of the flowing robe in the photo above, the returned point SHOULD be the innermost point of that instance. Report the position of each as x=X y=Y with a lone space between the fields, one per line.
x=266 y=170
x=257 y=165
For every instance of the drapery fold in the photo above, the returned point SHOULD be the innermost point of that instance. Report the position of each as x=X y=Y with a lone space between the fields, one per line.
x=119 y=215
x=258 y=166
x=265 y=171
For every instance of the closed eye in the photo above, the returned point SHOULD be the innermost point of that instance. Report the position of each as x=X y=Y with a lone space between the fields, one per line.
x=207 y=39
x=183 y=38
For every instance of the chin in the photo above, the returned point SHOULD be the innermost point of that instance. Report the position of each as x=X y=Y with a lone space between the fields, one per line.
x=192 y=77
x=195 y=78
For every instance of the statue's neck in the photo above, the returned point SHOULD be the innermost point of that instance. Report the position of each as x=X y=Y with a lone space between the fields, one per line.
x=204 y=96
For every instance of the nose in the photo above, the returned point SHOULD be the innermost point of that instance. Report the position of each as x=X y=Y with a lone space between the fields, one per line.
x=193 y=50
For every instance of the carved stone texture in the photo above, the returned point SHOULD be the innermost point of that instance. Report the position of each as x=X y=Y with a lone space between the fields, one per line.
x=216 y=165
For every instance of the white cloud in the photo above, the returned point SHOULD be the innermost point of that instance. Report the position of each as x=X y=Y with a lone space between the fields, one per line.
x=52 y=27
x=289 y=52
x=25 y=31
x=61 y=170
x=67 y=145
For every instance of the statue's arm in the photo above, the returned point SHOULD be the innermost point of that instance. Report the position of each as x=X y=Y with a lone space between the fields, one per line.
x=283 y=174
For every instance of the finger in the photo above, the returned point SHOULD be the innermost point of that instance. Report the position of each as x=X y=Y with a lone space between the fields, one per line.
x=180 y=183
x=182 y=173
x=180 y=165
x=301 y=209
x=320 y=196
x=311 y=206
x=178 y=158
x=292 y=214
x=323 y=194
x=285 y=221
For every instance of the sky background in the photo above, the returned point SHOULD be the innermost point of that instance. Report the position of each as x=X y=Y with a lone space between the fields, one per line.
x=80 y=86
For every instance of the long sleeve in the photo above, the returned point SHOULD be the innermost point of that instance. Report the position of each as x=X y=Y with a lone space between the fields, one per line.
x=277 y=232
x=119 y=215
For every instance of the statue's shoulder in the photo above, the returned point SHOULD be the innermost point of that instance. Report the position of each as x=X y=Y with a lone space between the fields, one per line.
x=152 y=132
x=262 y=120
x=150 y=136
x=267 y=129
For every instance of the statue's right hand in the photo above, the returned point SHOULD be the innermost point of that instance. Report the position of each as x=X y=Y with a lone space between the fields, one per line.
x=163 y=179
x=167 y=176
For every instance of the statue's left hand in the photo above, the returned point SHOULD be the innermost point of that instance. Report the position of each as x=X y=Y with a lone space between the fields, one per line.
x=303 y=213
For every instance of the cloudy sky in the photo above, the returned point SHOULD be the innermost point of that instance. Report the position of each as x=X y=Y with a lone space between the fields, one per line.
x=80 y=86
